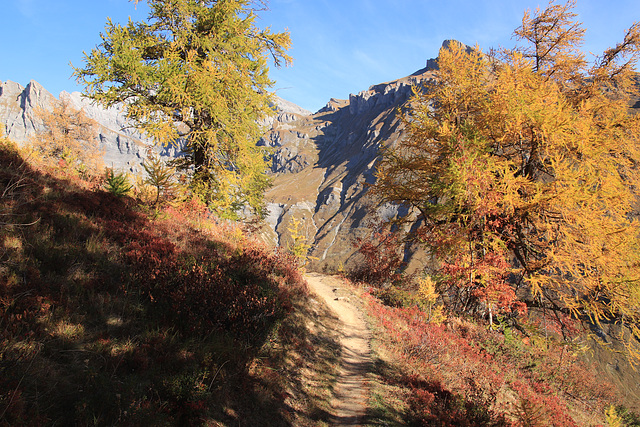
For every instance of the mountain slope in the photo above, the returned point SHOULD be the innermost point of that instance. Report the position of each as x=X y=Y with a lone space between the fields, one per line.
x=110 y=317
x=323 y=163
x=123 y=145
x=124 y=148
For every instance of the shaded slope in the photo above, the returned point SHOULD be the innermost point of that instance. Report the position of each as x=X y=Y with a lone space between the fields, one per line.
x=108 y=317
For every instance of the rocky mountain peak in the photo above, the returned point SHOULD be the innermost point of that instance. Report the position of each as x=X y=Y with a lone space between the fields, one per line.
x=10 y=88
x=18 y=108
x=322 y=162
x=124 y=146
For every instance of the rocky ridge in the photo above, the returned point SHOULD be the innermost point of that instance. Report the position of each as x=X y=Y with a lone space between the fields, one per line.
x=124 y=147
x=322 y=162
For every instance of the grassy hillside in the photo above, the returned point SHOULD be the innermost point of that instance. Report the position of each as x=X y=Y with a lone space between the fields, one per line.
x=109 y=317
x=116 y=314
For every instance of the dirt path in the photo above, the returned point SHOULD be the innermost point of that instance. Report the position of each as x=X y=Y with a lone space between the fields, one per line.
x=351 y=390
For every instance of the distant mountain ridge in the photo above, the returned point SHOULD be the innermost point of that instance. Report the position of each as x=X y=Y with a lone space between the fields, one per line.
x=321 y=161
x=125 y=146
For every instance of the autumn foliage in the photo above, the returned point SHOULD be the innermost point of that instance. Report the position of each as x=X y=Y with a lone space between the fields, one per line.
x=382 y=259
x=198 y=71
x=521 y=164
x=461 y=373
x=68 y=136
x=110 y=317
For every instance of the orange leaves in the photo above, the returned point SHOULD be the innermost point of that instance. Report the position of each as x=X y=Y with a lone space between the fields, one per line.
x=69 y=137
x=523 y=170
x=554 y=38
x=530 y=157
x=382 y=259
x=481 y=280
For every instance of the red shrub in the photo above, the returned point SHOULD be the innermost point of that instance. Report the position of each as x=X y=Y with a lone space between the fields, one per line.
x=481 y=281
x=242 y=291
x=382 y=259
x=537 y=406
x=480 y=364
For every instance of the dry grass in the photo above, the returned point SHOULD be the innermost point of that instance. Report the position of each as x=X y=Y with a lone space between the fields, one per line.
x=308 y=353
x=299 y=187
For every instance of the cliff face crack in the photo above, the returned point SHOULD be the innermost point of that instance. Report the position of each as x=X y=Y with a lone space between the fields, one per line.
x=335 y=236
x=315 y=226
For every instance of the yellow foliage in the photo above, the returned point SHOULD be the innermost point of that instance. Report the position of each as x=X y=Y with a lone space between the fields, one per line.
x=69 y=136
x=299 y=246
x=428 y=297
x=145 y=192
x=162 y=177
x=427 y=290
x=197 y=71
x=613 y=419
x=532 y=154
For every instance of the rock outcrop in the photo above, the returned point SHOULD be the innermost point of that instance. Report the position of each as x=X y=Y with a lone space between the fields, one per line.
x=323 y=163
x=18 y=107
x=123 y=146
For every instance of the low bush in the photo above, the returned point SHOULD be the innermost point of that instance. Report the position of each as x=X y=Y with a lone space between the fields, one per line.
x=382 y=259
x=110 y=317
x=498 y=377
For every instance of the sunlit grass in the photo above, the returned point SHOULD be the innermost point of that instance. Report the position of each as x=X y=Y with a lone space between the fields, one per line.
x=13 y=243
x=120 y=348
x=23 y=347
x=68 y=331
x=114 y=321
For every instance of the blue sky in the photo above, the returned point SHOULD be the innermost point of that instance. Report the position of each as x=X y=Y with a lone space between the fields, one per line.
x=339 y=46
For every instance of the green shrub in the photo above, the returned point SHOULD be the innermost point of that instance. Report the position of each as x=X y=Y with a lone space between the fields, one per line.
x=117 y=183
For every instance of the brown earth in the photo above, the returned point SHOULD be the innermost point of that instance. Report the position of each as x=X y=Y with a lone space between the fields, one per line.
x=349 y=405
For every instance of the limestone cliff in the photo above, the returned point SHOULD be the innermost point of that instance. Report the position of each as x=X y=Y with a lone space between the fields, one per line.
x=323 y=162
x=17 y=108
x=124 y=147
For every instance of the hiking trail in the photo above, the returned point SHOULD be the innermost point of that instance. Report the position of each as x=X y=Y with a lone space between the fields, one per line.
x=349 y=405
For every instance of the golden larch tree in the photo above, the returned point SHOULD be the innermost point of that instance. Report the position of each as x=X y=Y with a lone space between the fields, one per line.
x=196 y=70
x=523 y=164
x=68 y=135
